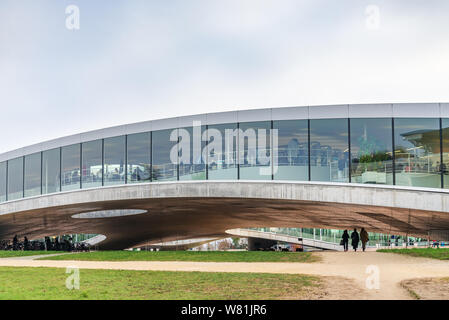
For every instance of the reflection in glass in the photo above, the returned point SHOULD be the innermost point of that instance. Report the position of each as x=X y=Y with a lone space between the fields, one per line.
x=445 y=164
x=149 y=156
x=33 y=175
x=371 y=151
x=254 y=150
x=92 y=164
x=114 y=160
x=417 y=151
x=192 y=165
x=163 y=168
x=51 y=171
x=293 y=150
x=329 y=151
x=70 y=170
x=139 y=157
x=15 y=178
x=222 y=151
x=3 y=181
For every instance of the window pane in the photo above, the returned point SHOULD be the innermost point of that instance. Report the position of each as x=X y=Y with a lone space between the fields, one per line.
x=222 y=151
x=33 y=175
x=293 y=150
x=15 y=179
x=417 y=151
x=3 y=181
x=114 y=160
x=445 y=166
x=255 y=139
x=70 y=167
x=163 y=168
x=371 y=149
x=193 y=168
x=92 y=172
x=329 y=150
x=139 y=157
x=51 y=171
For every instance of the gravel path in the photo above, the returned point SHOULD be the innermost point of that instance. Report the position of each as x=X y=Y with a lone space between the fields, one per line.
x=393 y=268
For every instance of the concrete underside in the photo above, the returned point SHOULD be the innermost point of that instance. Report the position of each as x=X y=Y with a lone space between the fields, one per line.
x=206 y=209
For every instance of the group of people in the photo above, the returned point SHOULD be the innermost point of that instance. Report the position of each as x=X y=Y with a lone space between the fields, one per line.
x=355 y=239
x=47 y=245
x=65 y=245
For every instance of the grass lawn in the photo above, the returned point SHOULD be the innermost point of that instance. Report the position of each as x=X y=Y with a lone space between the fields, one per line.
x=50 y=283
x=204 y=256
x=11 y=254
x=440 y=254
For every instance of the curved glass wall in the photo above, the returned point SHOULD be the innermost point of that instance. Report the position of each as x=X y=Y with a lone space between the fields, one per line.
x=51 y=168
x=164 y=142
x=329 y=150
x=371 y=151
x=192 y=166
x=254 y=150
x=3 y=181
x=222 y=144
x=291 y=159
x=114 y=160
x=15 y=178
x=335 y=235
x=139 y=157
x=70 y=170
x=417 y=152
x=444 y=165
x=92 y=164
x=243 y=151
x=33 y=175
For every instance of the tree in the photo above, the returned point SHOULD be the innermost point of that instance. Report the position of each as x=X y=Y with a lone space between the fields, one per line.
x=224 y=244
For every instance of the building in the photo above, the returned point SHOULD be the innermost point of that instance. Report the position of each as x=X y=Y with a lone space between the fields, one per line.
x=380 y=166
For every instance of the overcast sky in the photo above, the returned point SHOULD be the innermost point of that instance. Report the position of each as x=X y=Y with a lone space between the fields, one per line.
x=137 y=60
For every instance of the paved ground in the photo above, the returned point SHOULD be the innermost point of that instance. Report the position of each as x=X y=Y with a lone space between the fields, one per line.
x=393 y=268
x=36 y=256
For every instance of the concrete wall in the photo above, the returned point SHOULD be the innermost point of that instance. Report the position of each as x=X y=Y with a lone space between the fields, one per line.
x=385 y=196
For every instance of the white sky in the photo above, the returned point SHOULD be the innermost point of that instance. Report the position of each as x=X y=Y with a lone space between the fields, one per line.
x=137 y=60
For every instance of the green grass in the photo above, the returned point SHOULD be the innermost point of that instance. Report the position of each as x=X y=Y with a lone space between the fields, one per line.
x=204 y=256
x=440 y=254
x=12 y=254
x=50 y=284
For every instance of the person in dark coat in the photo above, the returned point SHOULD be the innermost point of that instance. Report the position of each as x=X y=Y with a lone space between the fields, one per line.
x=355 y=239
x=364 y=237
x=15 y=243
x=57 y=245
x=48 y=244
x=25 y=243
x=345 y=240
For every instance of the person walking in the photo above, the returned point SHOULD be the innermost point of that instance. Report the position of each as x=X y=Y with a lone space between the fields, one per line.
x=355 y=239
x=364 y=238
x=345 y=240
x=15 y=243
x=25 y=243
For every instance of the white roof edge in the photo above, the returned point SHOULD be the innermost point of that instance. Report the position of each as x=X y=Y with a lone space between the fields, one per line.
x=384 y=110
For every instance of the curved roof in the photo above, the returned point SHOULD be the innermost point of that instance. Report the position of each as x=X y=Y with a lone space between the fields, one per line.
x=398 y=110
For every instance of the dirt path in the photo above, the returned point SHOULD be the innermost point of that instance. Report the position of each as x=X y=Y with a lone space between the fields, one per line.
x=428 y=288
x=393 y=269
